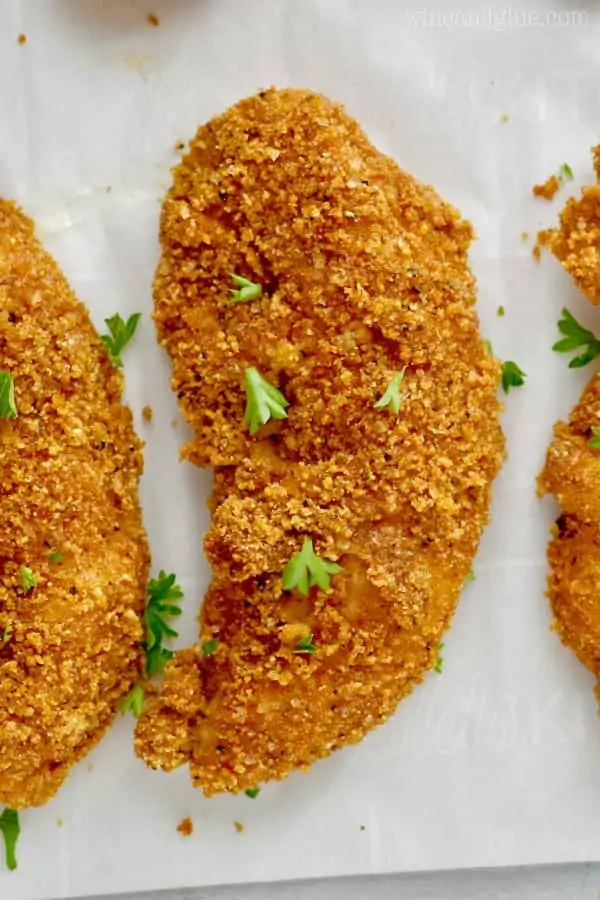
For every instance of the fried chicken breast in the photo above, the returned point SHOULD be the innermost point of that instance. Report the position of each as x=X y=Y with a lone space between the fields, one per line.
x=69 y=513
x=572 y=475
x=364 y=276
x=576 y=242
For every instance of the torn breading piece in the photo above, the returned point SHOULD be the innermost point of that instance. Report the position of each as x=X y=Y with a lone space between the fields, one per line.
x=364 y=284
x=572 y=475
x=69 y=519
x=576 y=242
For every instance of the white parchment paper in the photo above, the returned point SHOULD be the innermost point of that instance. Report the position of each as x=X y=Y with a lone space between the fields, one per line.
x=496 y=762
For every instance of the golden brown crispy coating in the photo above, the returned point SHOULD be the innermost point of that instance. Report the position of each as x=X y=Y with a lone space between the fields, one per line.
x=576 y=243
x=364 y=273
x=70 y=466
x=572 y=475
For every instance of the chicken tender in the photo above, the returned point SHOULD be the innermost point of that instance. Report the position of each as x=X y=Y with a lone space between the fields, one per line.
x=576 y=243
x=69 y=515
x=572 y=475
x=364 y=280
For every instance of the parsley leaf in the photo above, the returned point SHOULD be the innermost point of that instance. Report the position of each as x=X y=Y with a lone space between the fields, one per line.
x=209 y=647
x=133 y=702
x=56 y=557
x=594 y=441
x=470 y=577
x=121 y=333
x=439 y=663
x=501 y=311
x=11 y=829
x=565 y=173
x=28 y=579
x=305 y=569
x=252 y=792
x=163 y=601
x=576 y=336
x=247 y=290
x=305 y=645
x=392 y=397
x=8 y=406
x=263 y=401
x=512 y=375
x=7 y=634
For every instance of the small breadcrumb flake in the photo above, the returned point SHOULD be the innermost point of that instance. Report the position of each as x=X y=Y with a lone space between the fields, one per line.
x=179 y=145
x=548 y=189
x=153 y=20
x=505 y=118
x=239 y=827
x=174 y=423
x=147 y=413
x=186 y=827
x=22 y=39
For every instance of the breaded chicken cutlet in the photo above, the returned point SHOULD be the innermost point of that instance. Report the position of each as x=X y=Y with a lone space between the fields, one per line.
x=576 y=242
x=364 y=287
x=73 y=553
x=572 y=475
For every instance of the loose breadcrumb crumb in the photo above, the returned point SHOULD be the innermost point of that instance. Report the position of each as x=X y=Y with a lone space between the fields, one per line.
x=153 y=20
x=147 y=414
x=179 y=145
x=548 y=189
x=174 y=423
x=186 y=827
x=22 y=39
x=239 y=827
x=505 y=118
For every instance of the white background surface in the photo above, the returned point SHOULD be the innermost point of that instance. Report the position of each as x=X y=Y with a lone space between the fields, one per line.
x=496 y=762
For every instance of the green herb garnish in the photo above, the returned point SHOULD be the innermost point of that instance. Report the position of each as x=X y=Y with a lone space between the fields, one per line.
x=439 y=663
x=28 y=579
x=263 y=401
x=121 y=333
x=133 y=702
x=594 y=441
x=470 y=577
x=576 y=336
x=163 y=602
x=565 y=173
x=512 y=375
x=392 y=397
x=56 y=557
x=209 y=647
x=500 y=311
x=252 y=792
x=246 y=290
x=305 y=645
x=11 y=829
x=7 y=634
x=305 y=569
x=8 y=406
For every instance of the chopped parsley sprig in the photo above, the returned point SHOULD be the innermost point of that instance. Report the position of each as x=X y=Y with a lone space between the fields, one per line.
x=164 y=597
x=28 y=579
x=209 y=647
x=10 y=828
x=121 y=333
x=594 y=441
x=244 y=289
x=439 y=663
x=8 y=406
x=391 y=397
x=252 y=792
x=512 y=375
x=576 y=337
x=305 y=645
x=305 y=570
x=133 y=702
x=263 y=401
